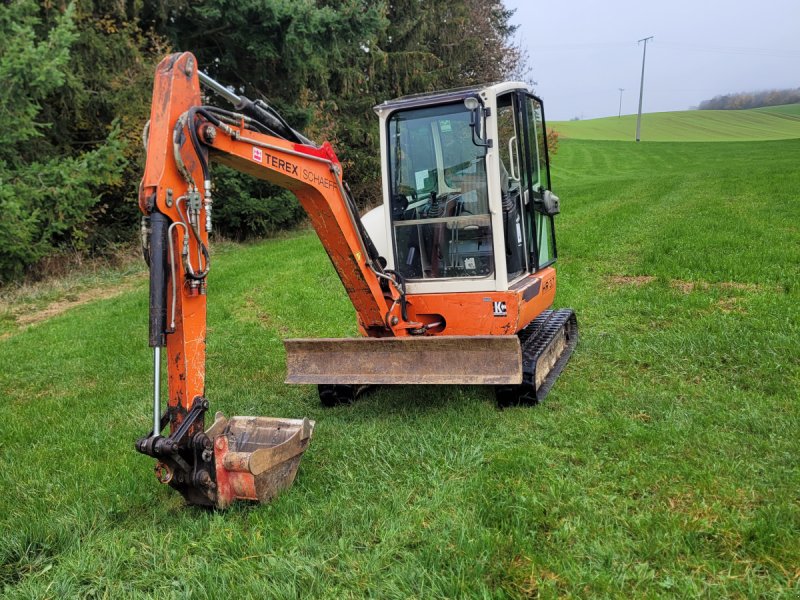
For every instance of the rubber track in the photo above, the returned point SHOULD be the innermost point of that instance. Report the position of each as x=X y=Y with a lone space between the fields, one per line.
x=535 y=339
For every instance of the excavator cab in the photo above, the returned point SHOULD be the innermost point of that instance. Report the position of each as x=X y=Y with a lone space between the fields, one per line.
x=466 y=187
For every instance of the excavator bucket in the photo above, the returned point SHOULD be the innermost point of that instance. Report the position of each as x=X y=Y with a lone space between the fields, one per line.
x=256 y=457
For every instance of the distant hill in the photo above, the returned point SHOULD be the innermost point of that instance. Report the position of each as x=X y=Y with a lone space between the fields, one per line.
x=768 y=123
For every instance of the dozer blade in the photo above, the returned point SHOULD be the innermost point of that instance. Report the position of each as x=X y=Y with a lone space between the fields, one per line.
x=475 y=360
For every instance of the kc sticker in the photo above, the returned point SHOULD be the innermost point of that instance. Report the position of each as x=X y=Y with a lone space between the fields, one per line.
x=258 y=154
x=499 y=309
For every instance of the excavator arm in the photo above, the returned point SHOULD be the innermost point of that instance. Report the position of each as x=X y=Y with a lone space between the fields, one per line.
x=185 y=133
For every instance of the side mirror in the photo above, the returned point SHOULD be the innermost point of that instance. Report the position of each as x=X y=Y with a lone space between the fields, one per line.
x=550 y=204
x=477 y=118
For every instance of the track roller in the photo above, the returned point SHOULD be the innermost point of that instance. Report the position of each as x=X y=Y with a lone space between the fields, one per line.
x=334 y=395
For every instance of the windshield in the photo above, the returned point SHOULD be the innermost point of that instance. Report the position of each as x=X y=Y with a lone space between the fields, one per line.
x=439 y=196
x=432 y=150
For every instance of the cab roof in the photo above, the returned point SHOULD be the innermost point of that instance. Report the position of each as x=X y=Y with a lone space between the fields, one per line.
x=447 y=96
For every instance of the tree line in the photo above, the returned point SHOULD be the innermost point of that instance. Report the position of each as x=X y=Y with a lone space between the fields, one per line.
x=77 y=80
x=744 y=100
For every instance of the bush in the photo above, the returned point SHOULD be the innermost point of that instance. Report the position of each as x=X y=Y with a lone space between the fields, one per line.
x=246 y=208
x=552 y=141
x=46 y=205
x=46 y=194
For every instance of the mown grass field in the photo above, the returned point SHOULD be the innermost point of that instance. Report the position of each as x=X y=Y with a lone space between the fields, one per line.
x=770 y=123
x=665 y=462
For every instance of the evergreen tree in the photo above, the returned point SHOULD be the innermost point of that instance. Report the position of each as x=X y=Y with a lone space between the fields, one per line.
x=309 y=60
x=46 y=193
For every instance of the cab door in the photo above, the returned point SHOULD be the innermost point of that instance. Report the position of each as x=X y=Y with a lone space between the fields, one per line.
x=513 y=184
x=529 y=234
x=541 y=238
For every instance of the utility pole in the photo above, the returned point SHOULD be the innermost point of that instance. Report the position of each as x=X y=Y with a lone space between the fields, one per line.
x=641 y=89
x=620 y=101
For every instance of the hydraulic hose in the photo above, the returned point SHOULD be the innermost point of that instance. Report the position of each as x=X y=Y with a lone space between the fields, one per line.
x=196 y=142
x=258 y=110
x=190 y=225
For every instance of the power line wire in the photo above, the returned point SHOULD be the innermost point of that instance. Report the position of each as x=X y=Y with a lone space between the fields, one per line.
x=735 y=50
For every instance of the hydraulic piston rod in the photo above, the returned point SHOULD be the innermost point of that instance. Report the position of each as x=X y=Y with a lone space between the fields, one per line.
x=257 y=110
x=156 y=391
x=219 y=88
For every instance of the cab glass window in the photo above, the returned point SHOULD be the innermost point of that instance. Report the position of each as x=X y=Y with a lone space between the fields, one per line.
x=438 y=195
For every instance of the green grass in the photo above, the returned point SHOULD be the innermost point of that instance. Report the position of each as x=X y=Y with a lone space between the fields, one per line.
x=771 y=123
x=663 y=463
x=789 y=110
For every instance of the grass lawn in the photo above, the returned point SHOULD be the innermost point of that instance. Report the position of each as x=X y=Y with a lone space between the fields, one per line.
x=665 y=461
x=770 y=123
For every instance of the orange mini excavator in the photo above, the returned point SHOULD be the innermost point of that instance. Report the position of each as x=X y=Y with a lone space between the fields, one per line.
x=452 y=277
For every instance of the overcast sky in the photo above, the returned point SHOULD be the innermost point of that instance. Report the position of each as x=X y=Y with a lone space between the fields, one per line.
x=581 y=52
